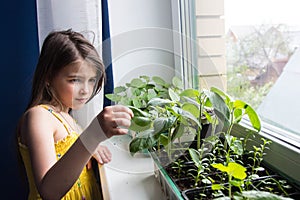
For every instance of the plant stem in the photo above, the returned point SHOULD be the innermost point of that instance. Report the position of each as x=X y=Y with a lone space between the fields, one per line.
x=200 y=128
x=158 y=146
x=229 y=129
x=229 y=187
x=198 y=138
x=169 y=142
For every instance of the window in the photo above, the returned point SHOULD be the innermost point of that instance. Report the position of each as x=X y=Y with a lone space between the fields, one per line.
x=250 y=49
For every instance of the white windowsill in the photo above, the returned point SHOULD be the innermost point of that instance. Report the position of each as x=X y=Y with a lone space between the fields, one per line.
x=128 y=177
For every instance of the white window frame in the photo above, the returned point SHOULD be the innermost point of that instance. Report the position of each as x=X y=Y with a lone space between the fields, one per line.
x=185 y=45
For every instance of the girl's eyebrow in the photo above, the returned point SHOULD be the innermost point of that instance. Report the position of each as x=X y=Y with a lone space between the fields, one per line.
x=78 y=76
x=74 y=76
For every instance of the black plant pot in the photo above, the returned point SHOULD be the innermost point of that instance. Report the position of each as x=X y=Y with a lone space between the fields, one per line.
x=179 y=185
x=183 y=186
x=266 y=184
x=199 y=193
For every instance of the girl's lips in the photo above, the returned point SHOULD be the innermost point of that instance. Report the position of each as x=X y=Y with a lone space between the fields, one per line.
x=82 y=100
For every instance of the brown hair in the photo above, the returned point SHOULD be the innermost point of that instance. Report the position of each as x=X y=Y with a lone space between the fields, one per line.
x=61 y=48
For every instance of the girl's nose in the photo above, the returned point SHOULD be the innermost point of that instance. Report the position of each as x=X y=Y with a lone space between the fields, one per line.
x=84 y=89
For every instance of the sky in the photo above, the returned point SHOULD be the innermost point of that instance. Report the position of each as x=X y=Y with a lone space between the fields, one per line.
x=251 y=12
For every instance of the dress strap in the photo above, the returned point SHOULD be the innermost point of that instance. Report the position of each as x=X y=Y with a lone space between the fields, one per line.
x=58 y=117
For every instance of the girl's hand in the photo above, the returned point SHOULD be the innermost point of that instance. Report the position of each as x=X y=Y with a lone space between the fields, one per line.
x=115 y=120
x=102 y=154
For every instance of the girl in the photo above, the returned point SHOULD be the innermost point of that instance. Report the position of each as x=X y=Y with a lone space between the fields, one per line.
x=54 y=149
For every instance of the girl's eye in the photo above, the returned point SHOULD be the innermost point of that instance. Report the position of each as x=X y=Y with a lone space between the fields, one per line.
x=75 y=80
x=93 y=80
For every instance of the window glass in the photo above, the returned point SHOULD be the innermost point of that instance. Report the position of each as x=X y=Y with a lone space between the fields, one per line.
x=263 y=59
x=255 y=57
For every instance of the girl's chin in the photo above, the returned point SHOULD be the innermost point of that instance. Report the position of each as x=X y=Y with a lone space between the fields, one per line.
x=77 y=107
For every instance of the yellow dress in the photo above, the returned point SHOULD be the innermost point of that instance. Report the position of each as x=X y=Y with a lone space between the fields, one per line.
x=85 y=188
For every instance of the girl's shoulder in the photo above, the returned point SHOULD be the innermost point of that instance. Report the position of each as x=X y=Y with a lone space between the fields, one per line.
x=40 y=116
x=37 y=111
x=34 y=121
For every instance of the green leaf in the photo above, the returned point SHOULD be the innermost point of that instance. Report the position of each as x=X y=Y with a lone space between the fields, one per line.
x=159 y=124
x=221 y=93
x=220 y=107
x=114 y=97
x=237 y=147
x=136 y=92
x=190 y=93
x=159 y=80
x=150 y=86
x=138 y=144
x=238 y=114
x=119 y=89
x=159 y=102
x=233 y=169
x=216 y=187
x=170 y=122
x=192 y=101
x=254 y=118
x=151 y=94
x=195 y=155
x=141 y=121
x=163 y=139
x=138 y=83
x=137 y=103
x=178 y=132
x=138 y=112
x=235 y=144
x=125 y=101
x=251 y=113
x=177 y=82
x=236 y=170
x=193 y=109
x=134 y=127
x=146 y=78
x=236 y=183
x=173 y=95
x=220 y=167
x=143 y=141
x=191 y=117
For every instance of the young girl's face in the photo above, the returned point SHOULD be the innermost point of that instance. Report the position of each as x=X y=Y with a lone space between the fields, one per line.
x=74 y=84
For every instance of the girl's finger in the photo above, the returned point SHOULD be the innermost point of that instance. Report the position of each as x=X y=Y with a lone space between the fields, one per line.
x=89 y=165
x=121 y=108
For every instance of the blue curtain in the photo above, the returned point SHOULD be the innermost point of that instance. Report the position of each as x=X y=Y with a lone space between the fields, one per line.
x=106 y=53
x=19 y=53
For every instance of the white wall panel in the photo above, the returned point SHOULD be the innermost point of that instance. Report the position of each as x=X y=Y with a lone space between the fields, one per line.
x=210 y=7
x=211 y=46
x=212 y=65
x=141 y=33
x=210 y=27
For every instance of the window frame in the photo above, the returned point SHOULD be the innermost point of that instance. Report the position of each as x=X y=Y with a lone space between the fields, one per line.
x=185 y=43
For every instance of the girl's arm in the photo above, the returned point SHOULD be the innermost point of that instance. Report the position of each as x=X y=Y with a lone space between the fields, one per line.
x=54 y=178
